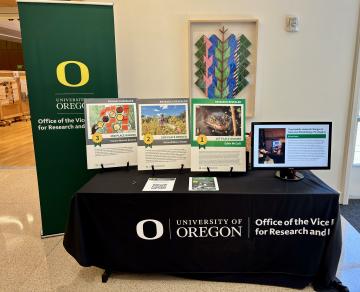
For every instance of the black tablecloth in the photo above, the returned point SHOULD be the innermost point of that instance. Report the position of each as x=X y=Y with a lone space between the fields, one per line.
x=104 y=229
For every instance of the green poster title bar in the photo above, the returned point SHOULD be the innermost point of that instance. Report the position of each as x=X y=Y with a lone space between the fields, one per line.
x=306 y=136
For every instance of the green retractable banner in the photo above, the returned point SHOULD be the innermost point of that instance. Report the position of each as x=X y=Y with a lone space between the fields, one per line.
x=69 y=50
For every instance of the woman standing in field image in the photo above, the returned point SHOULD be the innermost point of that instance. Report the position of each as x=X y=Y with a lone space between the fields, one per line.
x=163 y=119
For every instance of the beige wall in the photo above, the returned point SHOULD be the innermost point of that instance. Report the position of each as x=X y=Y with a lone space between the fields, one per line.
x=304 y=76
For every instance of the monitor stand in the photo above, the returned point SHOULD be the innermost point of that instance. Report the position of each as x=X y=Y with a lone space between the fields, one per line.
x=289 y=174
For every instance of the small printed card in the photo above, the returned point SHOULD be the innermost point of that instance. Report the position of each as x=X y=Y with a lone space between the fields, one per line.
x=159 y=185
x=203 y=184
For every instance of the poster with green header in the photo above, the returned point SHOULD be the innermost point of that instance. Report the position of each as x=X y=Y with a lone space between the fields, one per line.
x=218 y=141
x=69 y=51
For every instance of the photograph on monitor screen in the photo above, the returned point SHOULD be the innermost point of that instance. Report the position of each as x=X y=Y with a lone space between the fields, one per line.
x=218 y=120
x=271 y=146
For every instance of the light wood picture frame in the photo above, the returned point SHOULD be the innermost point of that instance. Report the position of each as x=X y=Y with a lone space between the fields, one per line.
x=216 y=43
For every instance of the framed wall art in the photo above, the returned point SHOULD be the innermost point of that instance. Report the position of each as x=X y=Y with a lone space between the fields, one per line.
x=223 y=57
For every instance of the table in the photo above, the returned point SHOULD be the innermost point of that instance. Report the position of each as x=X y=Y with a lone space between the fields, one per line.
x=257 y=228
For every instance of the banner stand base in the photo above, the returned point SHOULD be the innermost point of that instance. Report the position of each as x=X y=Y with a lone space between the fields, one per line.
x=105 y=276
x=51 y=235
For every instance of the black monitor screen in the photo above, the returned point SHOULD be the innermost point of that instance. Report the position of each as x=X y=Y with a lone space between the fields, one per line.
x=291 y=145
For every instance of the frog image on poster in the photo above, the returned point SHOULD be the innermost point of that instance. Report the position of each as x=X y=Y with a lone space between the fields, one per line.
x=218 y=120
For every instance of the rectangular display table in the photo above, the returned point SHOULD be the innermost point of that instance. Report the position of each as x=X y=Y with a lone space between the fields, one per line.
x=257 y=228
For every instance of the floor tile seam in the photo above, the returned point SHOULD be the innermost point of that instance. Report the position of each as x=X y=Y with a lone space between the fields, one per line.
x=38 y=265
x=54 y=247
x=41 y=262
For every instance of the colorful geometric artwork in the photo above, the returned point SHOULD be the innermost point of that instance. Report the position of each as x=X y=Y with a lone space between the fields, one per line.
x=221 y=64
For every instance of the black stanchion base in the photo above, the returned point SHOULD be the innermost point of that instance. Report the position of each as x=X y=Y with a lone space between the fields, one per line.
x=105 y=276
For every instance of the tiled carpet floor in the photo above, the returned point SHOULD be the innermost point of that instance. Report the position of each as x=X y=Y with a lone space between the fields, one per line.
x=351 y=212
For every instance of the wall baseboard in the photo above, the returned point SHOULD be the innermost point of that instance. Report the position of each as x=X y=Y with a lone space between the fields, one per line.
x=357 y=197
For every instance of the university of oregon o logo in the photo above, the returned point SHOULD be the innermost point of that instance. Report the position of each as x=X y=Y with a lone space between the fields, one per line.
x=61 y=75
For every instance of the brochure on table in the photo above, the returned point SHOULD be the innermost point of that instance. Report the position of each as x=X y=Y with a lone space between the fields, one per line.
x=203 y=184
x=217 y=139
x=111 y=132
x=154 y=184
x=163 y=133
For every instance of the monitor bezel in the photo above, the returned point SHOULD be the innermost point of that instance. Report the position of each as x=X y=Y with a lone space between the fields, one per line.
x=253 y=124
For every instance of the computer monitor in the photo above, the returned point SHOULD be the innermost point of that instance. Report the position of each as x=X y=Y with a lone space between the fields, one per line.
x=288 y=147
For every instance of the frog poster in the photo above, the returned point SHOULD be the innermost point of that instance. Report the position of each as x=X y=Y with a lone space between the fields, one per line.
x=111 y=132
x=218 y=135
x=163 y=133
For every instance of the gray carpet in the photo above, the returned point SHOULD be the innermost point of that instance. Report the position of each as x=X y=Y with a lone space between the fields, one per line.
x=351 y=213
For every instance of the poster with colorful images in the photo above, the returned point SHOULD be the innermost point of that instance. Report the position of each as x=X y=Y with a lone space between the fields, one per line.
x=163 y=133
x=111 y=132
x=217 y=139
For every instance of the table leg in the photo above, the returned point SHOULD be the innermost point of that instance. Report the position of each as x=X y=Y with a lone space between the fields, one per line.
x=339 y=286
x=105 y=276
